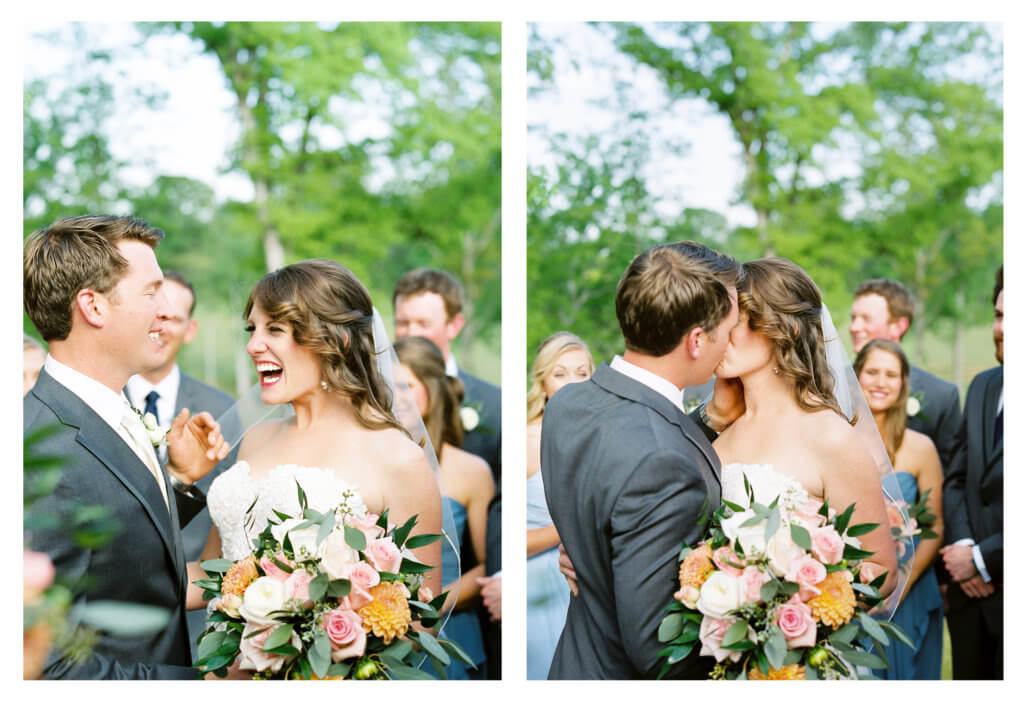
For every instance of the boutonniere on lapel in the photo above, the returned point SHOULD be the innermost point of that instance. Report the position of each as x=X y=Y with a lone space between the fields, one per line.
x=471 y=418
x=915 y=406
x=157 y=435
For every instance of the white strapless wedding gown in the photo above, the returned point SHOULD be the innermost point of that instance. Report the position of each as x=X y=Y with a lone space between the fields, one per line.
x=233 y=493
x=766 y=483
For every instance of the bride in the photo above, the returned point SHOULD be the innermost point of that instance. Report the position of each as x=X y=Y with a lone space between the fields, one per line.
x=792 y=431
x=310 y=328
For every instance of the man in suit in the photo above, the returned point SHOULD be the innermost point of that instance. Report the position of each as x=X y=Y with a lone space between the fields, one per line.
x=429 y=303
x=627 y=472
x=164 y=391
x=92 y=287
x=884 y=308
x=973 y=511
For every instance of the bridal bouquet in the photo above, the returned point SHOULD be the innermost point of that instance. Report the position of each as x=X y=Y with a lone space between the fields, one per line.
x=777 y=592
x=326 y=596
x=918 y=525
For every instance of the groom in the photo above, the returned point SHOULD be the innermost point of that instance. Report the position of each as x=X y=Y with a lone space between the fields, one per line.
x=627 y=473
x=93 y=290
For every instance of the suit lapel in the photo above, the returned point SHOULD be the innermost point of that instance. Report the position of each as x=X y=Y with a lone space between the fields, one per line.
x=107 y=446
x=991 y=409
x=628 y=388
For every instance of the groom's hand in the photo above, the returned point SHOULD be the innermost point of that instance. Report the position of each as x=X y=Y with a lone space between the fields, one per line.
x=194 y=446
x=727 y=403
x=565 y=565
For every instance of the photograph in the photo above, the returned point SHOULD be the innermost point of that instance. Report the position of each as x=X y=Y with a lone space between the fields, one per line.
x=765 y=348
x=262 y=350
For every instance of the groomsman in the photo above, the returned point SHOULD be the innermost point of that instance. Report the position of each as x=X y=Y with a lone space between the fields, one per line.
x=93 y=289
x=884 y=308
x=166 y=390
x=429 y=303
x=973 y=509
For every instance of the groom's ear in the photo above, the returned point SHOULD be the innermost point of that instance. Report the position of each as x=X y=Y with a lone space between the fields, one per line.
x=92 y=307
x=900 y=326
x=694 y=341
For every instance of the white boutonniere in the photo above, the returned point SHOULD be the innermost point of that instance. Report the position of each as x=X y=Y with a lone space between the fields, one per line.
x=157 y=435
x=915 y=404
x=470 y=418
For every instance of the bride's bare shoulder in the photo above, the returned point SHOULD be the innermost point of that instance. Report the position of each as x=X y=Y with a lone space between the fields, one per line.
x=397 y=452
x=836 y=440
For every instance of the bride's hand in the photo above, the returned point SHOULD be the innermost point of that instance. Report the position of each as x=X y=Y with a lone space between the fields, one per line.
x=567 y=570
x=727 y=403
x=194 y=446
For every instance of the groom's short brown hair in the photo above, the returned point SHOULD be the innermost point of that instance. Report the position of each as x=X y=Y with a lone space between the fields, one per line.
x=668 y=290
x=73 y=254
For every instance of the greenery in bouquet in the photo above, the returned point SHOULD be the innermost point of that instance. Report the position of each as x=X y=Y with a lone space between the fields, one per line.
x=779 y=592
x=334 y=595
x=919 y=522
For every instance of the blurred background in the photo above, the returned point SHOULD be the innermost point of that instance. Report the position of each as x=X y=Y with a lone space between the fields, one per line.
x=857 y=150
x=254 y=145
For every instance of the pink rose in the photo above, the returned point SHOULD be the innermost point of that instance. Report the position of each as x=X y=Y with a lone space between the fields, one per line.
x=869 y=571
x=726 y=559
x=808 y=514
x=806 y=571
x=827 y=545
x=345 y=631
x=384 y=555
x=425 y=595
x=361 y=576
x=38 y=573
x=272 y=570
x=251 y=648
x=367 y=524
x=797 y=624
x=712 y=630
x=751 y=581
x=297 y=586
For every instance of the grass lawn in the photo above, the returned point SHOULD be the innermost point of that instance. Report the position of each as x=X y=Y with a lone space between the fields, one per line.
x=947 y=653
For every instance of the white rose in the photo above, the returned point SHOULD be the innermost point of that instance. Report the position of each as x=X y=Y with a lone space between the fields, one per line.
x=470 y=418
x=719 y=595
x=751 y=538
x=264 y=595
x=300 y=537
x=913 y=406
x=782 y=550
x=336 y=555
x=149 y=421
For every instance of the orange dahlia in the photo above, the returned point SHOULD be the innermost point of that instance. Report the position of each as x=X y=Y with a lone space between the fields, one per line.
x=239 y=577
x=696 y=567
x=388 y=615
x=789 y=672
x=836 y=603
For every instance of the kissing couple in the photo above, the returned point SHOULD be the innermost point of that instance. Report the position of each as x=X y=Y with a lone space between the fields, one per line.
x=628 y=474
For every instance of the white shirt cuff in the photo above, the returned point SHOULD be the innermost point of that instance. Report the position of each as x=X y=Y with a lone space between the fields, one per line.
x=965 y=541
x=979 y=562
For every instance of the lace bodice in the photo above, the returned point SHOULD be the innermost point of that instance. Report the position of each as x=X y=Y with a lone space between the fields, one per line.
x=765 y=481
x=234 y=491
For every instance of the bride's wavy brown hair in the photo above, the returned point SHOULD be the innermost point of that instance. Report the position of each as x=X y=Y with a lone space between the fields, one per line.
x=330 y=312
x=782 y=302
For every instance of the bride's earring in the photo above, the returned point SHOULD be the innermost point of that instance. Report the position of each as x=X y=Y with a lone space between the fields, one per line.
x=323 y=386
x=775 y=369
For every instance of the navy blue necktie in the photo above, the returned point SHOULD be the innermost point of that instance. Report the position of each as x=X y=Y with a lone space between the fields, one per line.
x=151 y=405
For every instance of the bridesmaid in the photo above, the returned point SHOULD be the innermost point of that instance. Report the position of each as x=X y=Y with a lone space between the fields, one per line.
x=884 y=374
x=468 y=487
x=562 y=358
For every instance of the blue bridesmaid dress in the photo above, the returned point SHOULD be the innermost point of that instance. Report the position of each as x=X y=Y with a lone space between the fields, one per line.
x=546 y=589
x=919 y=616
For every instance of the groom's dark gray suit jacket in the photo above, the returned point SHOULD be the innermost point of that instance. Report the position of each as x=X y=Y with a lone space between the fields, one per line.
x=626 y=475
x=144 y=563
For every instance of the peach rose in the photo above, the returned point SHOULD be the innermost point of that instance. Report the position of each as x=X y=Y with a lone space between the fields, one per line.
x=367 y=524
x=827 y=545
x=384 y=555
x=688 y=596
x=712 y=630
x=806 y=571
x=345 y=631
x=272 y=570
x=726 y=560
x=797 y=624
x=362 y=577
x=751 y=580
x=251 y=648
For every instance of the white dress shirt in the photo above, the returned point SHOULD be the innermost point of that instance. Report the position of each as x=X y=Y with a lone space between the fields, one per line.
x=451 y=368
x=137 y=389
x=647 y=378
